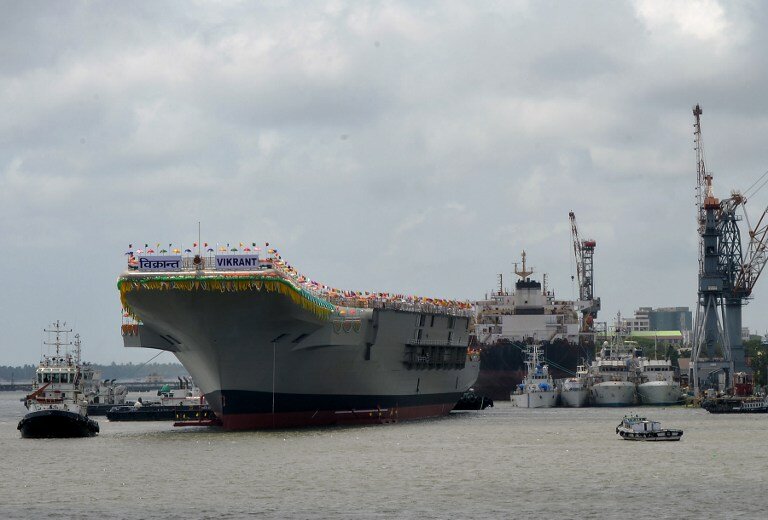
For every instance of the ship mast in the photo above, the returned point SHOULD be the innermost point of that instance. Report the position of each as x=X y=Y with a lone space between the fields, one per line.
x=523 y=273
x=77 y=349
x=58 y=329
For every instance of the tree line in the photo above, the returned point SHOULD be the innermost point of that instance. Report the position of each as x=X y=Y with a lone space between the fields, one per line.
x=122 y=371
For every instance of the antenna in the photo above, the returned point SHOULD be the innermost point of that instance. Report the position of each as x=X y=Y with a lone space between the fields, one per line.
x=77 y=349
x=57 y=329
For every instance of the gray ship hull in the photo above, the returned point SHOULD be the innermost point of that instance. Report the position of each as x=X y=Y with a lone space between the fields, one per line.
x=265 y=358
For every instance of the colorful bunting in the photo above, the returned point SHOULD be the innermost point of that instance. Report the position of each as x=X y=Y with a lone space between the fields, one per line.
x=284 y=278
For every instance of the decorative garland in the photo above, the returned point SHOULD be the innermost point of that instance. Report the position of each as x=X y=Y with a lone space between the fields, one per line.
x=298 y=296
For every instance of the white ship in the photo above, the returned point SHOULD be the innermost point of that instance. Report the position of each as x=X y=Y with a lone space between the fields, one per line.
x=507 y=319
x=612 y=375
x=538 y=389
x=657 y=384
x=531 y=311
x=574 y=391
x=271 y=348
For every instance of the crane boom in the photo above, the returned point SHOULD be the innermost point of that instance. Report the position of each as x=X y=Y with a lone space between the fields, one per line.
x=576 y=249
x=757 y=257
x=584 y=251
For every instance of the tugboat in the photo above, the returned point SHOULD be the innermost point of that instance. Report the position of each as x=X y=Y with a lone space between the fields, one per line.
x=57 y=405
x=471 y=400
x=636 y=428
x=537 y=389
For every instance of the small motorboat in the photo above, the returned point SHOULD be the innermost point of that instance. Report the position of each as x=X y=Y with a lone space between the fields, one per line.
x=636 y=428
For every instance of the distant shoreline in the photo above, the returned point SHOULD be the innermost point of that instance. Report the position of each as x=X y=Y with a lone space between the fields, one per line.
x=22 y=376
x=132 y=386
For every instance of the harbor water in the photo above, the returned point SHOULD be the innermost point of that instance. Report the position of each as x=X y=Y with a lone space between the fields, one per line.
x=503 y=462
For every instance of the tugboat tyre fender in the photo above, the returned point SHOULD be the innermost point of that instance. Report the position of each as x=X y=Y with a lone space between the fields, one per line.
x=668 y=434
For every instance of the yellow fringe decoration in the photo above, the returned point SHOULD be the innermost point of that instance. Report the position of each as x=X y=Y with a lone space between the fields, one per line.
x=318 y=306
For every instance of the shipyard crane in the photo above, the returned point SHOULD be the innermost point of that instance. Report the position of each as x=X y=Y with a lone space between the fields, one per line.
x=726 y=277
x=740 y=272
x=709 y=330
x=584 y=251
x=757 y=256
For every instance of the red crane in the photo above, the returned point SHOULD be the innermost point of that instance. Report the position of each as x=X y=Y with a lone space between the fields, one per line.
x=584 y=251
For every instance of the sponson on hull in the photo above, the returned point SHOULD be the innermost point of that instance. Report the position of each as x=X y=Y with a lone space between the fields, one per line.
x=271 y=348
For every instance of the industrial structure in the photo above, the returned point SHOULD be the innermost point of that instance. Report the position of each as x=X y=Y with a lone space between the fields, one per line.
x=648 y=319
x=726 y=277
x=584 y=251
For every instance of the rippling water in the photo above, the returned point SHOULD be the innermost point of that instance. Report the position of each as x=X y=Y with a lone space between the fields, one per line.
x=500 y=463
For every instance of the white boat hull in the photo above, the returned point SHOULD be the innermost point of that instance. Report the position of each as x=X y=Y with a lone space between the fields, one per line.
x=542 y=399
x=613 y=393
x=575 y=398
x=659 y=392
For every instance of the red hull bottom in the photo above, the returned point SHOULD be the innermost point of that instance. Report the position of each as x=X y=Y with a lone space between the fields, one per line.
x=262 y=421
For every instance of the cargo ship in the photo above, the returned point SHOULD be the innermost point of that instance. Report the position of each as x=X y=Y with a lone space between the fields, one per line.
x=506 y=322
x=271 y=348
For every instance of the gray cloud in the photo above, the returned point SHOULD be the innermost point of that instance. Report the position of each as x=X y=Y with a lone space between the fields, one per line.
x=403 y=147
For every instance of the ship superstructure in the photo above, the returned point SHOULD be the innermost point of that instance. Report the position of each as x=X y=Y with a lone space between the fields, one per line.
x=505 y=321
x=529 y=312
x=269 y=347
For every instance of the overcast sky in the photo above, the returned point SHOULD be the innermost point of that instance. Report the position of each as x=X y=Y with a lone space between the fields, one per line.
x=409 y=147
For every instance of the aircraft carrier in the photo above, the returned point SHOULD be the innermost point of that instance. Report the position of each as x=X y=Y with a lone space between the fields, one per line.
x=271 y=348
